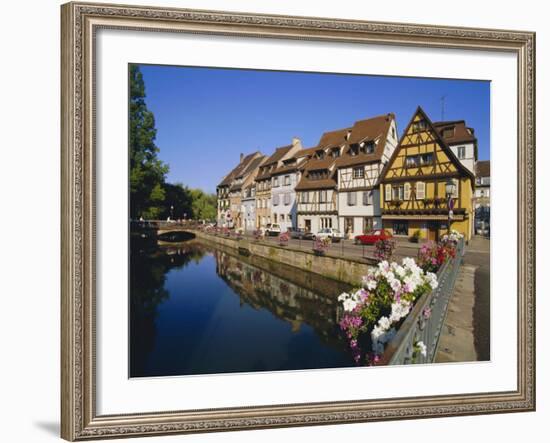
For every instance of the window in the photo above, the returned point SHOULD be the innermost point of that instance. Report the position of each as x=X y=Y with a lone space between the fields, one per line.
x=388 y=193
x=367 y=224
x=393 y=132
x=407 y=191
x=359 y=172
x=320 y=154
x=448 y=133
x=274 y=218
x=456 y=187
x=412 y=161
x=354 y=149
x=426 y=159
x=398 y=192
x=461 y=151
x=367 y=198
x=420 y=190
x=276 y=182
x=322 y=196
x=369 y=147
x=335 y=153
x=352 y=198
x=275 y=200
x=305 y=197
x=419 y=125
x=286 y=199
x=287 y=180
x=400 y=228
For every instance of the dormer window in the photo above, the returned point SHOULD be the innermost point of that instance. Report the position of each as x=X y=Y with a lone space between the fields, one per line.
x=369 y=147
x=354 y=149
x=320 y=155
x=448 y=133
x=335 y=152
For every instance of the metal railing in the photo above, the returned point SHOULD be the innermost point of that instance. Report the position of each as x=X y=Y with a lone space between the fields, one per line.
x=420 y=327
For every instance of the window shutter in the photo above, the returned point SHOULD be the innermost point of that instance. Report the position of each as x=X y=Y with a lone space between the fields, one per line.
x=457 y=184
x=407 y=191
x=420 y=190
x=365 y=198
x=388 y=193
x=287 y=199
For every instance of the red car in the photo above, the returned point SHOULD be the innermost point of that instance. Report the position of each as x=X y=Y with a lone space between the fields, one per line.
x=370 y=238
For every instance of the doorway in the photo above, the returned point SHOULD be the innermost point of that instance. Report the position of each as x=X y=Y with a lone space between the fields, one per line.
x=433 y=231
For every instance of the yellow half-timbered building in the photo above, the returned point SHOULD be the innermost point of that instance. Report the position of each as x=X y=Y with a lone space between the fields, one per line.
x=422 y=182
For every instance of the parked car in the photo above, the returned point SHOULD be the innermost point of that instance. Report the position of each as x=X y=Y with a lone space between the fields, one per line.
x=273 y=229
x=334 y=234
x=308 y=235
x=371 y=237
x=297 y=232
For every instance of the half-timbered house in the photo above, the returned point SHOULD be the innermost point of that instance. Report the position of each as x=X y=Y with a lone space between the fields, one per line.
x=415 y=181
x=317 y=195
x=369 y=145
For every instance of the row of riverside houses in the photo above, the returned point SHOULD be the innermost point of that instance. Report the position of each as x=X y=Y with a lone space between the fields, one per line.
x=359 y=178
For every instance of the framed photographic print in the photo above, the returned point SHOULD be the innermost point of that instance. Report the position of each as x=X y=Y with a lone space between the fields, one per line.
x=283 y=221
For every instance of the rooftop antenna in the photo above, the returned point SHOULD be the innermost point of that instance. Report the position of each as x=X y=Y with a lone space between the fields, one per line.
x=443 y=107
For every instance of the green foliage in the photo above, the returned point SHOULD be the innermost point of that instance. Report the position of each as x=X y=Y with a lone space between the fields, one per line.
x=204 y=205
x=147 y=171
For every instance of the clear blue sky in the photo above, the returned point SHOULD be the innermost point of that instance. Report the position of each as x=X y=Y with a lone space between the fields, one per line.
x=206 y=117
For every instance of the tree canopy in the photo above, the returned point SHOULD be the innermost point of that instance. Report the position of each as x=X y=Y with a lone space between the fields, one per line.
x=147 y=171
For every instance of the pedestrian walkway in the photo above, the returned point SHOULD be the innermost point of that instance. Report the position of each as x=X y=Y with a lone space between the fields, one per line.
x=456 y=343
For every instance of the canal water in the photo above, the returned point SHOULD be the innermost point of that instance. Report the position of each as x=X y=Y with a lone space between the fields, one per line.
x=199 y=309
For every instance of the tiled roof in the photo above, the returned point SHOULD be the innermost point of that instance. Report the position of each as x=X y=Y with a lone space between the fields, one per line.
x=238 y=169
x=327 y=183
x=483 y=168
x=371 y=129
x=460 y=132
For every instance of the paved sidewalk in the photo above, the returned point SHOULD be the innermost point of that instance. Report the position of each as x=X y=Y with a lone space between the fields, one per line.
x=456 y=343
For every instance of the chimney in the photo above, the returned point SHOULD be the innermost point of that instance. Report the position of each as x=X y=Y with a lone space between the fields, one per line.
x=296 y=142
x=242 y=157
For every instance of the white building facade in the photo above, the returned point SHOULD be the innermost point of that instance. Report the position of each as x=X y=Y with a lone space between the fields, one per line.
x=369 y=147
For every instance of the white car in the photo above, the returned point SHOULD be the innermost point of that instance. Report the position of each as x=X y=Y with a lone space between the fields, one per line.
x=334 y=234
x=273 y=229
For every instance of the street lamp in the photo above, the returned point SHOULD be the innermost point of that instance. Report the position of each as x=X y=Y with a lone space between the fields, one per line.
x=450 y=188
x=172 y=212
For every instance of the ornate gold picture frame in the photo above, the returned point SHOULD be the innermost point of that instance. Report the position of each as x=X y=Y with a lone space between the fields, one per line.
x=80 y=22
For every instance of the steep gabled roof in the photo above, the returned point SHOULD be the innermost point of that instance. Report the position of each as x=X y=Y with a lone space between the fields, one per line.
x=270 y=164
x=372 y=129
x=448 y=151
x=239 y=168
x=461 y=133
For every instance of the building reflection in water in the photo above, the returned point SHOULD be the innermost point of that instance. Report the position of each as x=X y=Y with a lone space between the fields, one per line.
x=191 y=301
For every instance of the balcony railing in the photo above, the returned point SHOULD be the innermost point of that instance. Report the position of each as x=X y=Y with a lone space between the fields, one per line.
x=418 y=326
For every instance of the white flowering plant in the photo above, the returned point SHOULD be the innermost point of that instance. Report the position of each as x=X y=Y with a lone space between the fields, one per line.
x=373 y=312
x=453 y=237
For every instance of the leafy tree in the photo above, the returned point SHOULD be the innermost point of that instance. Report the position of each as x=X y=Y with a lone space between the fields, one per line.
x=179 y=197
x=204 y=205
x=147 y=171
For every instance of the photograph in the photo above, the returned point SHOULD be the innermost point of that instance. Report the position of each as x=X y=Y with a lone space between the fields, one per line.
x=289 y=220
